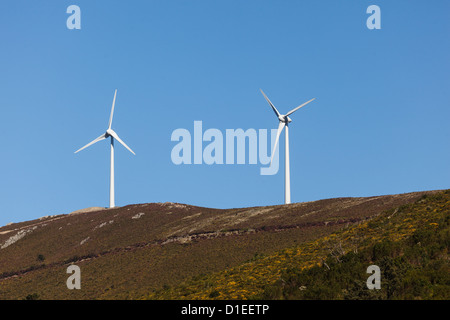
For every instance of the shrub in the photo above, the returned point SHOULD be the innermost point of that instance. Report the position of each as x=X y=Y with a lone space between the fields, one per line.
x=33 y=296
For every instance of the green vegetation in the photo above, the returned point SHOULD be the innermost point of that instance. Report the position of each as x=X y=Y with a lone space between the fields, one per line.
x=409 y=244
x=33 y=296
x=414 y=268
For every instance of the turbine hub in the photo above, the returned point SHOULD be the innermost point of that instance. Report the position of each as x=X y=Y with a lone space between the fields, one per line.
x=284 y=119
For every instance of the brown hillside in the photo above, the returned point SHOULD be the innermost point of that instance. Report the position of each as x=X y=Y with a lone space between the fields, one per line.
x=128 y=251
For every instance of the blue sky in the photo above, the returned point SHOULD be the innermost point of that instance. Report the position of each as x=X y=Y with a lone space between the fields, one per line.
x=379 y=125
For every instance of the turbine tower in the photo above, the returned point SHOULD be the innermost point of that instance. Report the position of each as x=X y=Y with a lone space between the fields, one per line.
x=284 y=120
x=110 y=134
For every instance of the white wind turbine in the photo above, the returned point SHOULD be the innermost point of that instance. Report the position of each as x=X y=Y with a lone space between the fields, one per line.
x=110 y=134
x=284 y=120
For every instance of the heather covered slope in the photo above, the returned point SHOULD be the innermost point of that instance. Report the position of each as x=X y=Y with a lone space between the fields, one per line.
x=409 y=244
x=130 y=251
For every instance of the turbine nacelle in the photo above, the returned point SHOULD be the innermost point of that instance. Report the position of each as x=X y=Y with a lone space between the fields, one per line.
x=108 y=133
x=284 y=119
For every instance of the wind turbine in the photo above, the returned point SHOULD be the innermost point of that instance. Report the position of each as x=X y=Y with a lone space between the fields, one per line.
x=284 y=121
x=110 y=134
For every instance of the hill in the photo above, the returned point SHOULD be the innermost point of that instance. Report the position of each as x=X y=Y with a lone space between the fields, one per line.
x=409 y=243
x=177 y=251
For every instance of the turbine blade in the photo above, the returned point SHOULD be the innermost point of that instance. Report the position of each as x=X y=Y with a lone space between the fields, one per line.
x=103 y=136
x=270 y=103
x=281 y=126
x=302 y=105
x=112 y=110
x=115 y=136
